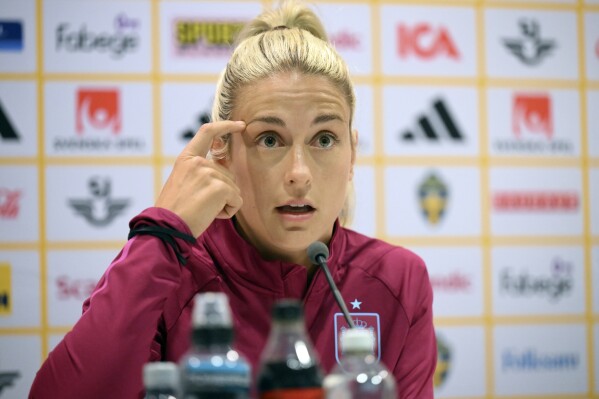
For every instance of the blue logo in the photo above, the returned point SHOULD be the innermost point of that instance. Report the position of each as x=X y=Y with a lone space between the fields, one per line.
x=11 y=35
x=531 y=360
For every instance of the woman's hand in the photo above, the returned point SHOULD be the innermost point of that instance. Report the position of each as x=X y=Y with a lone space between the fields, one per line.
x=199 y=190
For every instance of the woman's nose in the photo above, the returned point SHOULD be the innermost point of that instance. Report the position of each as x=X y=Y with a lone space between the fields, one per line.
x=299 y=173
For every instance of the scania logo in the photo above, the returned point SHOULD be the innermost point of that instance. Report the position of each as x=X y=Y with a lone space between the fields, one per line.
x=554 y=285
x=122 y=40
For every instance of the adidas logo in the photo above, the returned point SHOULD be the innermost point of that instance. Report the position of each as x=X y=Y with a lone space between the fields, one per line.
x=7 y=130
x=438 y=125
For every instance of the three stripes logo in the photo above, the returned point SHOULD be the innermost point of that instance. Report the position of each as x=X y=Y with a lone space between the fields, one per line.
x=440 y=124
x=7 y=130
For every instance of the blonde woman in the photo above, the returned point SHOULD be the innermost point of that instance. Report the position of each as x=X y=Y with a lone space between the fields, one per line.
x=245 y=199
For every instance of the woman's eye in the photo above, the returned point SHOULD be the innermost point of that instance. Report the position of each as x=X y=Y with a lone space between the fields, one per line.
x=268 y=140
x=326 y=140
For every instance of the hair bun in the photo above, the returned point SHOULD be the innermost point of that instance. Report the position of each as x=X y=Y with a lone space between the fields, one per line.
x=289 y=15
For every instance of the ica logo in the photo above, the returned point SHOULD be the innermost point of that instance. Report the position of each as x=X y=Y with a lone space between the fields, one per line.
x=426 y=42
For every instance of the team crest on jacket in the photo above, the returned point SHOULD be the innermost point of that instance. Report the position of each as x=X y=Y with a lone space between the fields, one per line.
x=366 y=321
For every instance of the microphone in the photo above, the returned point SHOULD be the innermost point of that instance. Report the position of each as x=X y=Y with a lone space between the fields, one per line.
x=318 y=254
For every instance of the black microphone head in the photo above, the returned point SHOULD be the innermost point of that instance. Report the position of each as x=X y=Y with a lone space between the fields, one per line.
x=316 y=250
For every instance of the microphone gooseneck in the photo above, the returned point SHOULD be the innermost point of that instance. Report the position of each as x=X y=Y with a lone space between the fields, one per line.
x=318 y=253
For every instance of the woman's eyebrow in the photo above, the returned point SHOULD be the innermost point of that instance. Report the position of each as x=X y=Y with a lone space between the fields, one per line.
x=326 y=118
x=273 y=120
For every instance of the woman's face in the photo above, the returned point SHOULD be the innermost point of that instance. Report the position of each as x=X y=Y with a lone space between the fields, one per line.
x=292 y=163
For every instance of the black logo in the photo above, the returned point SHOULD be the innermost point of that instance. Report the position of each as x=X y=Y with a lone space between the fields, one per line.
x=7 y=378
x=7 y=130
x=530 y=49
x=123 y=40
x=429 y=126
x=189 y=133
x=555 y=285
x=101 y=209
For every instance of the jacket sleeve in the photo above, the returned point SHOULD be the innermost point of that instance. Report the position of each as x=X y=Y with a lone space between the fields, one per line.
x=415 y=368
x=102 y=356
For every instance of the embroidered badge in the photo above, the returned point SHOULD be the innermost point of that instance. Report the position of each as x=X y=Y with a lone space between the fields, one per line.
x=367 y=321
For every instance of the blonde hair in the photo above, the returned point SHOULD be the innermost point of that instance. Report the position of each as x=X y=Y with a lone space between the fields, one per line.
x=290 y=38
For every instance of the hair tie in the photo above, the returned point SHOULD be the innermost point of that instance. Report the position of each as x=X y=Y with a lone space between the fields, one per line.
x=280 y=27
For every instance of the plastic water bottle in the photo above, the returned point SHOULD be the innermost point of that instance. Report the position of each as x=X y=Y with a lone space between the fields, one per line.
x=212 y=369
x=359 y=375
x=161 y=380
x=289 y=367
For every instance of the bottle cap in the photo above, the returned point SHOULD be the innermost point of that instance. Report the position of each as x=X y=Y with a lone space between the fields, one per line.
x=357 y=340
x=160 y=375
x=211 y=310
x=287 y=310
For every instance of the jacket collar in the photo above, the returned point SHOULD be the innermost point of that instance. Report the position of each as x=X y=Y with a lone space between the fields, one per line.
x=240 y=261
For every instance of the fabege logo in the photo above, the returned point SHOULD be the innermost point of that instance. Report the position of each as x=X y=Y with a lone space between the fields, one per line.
x=98 y=110
x=9 y=203
x=425 y=42
x=558 y=283
x=5 y=289
x=433 y=196
x=123 y=40
x=531 y=114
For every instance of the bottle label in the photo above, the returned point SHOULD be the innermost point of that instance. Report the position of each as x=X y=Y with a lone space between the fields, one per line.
x=294 y=393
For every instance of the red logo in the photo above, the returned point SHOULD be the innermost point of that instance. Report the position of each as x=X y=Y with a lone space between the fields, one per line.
x=453 y=282
x=71 y=288
x=9 y=203
x=531 y=114
x=345 y=40
x=426 y=42
x=536 y=201
x=98 y=109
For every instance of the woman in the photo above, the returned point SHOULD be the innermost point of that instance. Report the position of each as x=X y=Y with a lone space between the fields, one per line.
x=239 y=221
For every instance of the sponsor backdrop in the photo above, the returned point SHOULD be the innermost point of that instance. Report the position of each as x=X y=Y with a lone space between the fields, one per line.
x=479 y=149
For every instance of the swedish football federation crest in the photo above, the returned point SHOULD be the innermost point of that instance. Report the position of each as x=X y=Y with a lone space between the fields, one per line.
x=366 y=321
x=444 y=358
x=432 y=196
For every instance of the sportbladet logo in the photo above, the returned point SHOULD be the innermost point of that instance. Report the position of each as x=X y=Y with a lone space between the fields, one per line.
x=196 y=37
x=122 y=39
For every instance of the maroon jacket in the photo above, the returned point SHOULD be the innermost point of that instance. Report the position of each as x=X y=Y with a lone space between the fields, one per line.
x=140 y=310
